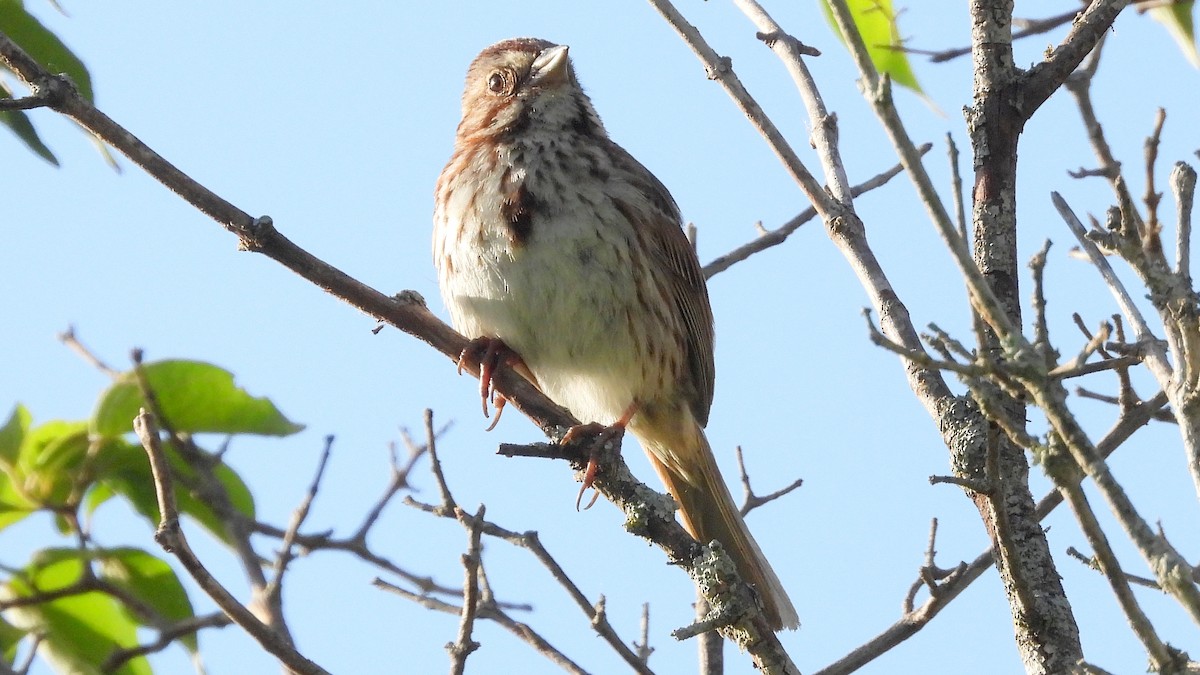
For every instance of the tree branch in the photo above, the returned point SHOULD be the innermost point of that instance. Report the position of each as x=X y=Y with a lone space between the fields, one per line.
x=1086 y=32
x=170 y=536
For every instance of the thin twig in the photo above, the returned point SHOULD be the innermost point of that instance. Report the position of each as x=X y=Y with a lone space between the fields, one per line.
x=1161 y=415
x=1030 y=27
x=644 y=650
x=69 y=339
x=166 y=637
x=908 y=625
x=931 y=576
x=769 y=238
x=720 y=69
x=532 y=543
x=752 y=500
x=824 y=135
x=448 y=503
x=1153 y=197
x=170 y=536
x=494 y=613
x=1156 y=356
x=464 y=645
x=1183 y=186
x=273 y=591
x=1092 y=563
x=1160 y=654
x=1041 y=332
x=956 y=186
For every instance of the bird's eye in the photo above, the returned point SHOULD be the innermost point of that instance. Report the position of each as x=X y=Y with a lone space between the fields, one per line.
x=500 y=82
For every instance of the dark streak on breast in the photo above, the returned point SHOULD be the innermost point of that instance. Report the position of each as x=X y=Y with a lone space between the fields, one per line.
x=517 y=211
x=582 y=123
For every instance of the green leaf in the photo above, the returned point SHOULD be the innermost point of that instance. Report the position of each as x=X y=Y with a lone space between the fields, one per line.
x=18 y=122
x=127 y=473
x=10 y=639
x=49 y=462
x=1177 y=17
x=11 y=435
x=14 y=505
x=80 y=631
x=151 y=581
x=46 y=466
x=42 y=45
x=876 y=23
x=36 y=465
x=195 y=397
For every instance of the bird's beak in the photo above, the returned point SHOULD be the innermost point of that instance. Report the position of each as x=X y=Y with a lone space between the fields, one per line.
x=551 y=67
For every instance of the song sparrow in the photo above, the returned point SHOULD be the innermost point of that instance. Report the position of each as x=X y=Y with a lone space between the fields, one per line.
x=550 y=238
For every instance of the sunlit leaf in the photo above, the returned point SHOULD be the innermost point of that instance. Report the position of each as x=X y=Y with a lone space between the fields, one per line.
x=150 y=580
x=876 y=23
x=45 y=466
x=50 y=461
x=1179 y=21
x=10 y=639
x=195 y=397
x=11 y=435
x=81 y=631
x=127 y=473
x=14 y=505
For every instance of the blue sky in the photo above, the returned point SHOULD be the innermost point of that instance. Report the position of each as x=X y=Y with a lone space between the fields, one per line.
x=336 y=119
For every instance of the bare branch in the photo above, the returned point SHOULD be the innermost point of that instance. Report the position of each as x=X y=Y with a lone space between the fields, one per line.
x=463 y=646
x=1156 y=356
x=1161 y=655
x=1086 y=32
x=494 y=613
x=166 y=637
x=754 y=501
x=1183 y=186
x=1029 y=27
x=448 y=503
x=531 y=542
x=1152 y=197
x=273 y=592
x=1041 y=333
x=956 y=187
x=912 y=622
x=69 y=339
x=1161 y=415
x=172 y=539
x=931 y=576
x=825 y=128
x=1094 y=564
x=769 y=238
x=644 y=650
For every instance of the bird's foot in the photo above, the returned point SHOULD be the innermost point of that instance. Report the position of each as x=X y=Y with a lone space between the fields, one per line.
x=492 y=355
x=600 y=435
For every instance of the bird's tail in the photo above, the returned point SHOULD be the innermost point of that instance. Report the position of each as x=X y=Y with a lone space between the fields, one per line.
x=685 y=463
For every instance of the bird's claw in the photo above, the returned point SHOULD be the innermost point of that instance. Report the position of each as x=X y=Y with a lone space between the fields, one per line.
x=600 y=435
x=492 y=354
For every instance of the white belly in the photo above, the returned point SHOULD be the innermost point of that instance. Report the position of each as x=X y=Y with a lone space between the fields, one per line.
x=564 y=300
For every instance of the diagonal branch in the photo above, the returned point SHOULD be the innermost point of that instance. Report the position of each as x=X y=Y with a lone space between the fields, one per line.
x=172 y=539
x=407 y=312
x=1086 y=32
x=770 y=238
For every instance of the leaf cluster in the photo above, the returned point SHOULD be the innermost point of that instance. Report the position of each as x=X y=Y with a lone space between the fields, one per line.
x=82 y=603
